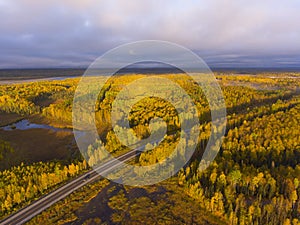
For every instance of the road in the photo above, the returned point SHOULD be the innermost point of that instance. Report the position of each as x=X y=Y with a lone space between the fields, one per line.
x=35 y=208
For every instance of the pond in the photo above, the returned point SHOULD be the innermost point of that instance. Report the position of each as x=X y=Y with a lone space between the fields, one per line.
x=26 y=125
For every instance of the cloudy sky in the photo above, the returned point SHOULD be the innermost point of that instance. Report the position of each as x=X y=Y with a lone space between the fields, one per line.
x=73 y=33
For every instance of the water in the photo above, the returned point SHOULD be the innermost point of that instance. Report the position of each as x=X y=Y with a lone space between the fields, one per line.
x=26 y=125
x=27 y=74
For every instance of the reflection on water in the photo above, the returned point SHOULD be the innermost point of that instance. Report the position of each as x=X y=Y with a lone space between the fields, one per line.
x=84 y=136
x=26 y=125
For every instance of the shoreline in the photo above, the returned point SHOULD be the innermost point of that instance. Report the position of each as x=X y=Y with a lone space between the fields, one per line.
x=22 y=81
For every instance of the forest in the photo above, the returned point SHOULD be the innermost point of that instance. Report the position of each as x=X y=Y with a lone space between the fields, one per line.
x=255 y=178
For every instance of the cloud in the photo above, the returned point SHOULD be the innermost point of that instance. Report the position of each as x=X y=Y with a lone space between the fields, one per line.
x=75 y=32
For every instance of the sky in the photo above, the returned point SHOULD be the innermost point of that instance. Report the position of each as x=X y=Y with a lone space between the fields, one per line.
x=73 y=33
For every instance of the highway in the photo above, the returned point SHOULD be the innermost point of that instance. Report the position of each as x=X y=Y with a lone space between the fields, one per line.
x=36 y=207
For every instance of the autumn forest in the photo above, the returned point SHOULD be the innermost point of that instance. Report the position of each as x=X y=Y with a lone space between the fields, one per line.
x=254 y=179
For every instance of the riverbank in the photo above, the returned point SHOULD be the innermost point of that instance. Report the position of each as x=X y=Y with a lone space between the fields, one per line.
x=9 y=118
x=22 y=81
x=33 y=139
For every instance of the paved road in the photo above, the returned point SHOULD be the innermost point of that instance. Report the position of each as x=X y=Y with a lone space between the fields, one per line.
x=25 y=214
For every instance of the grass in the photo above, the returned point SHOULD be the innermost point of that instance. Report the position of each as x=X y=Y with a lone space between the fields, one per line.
x=9 y=118
x=37 y=145
x=162 y=202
